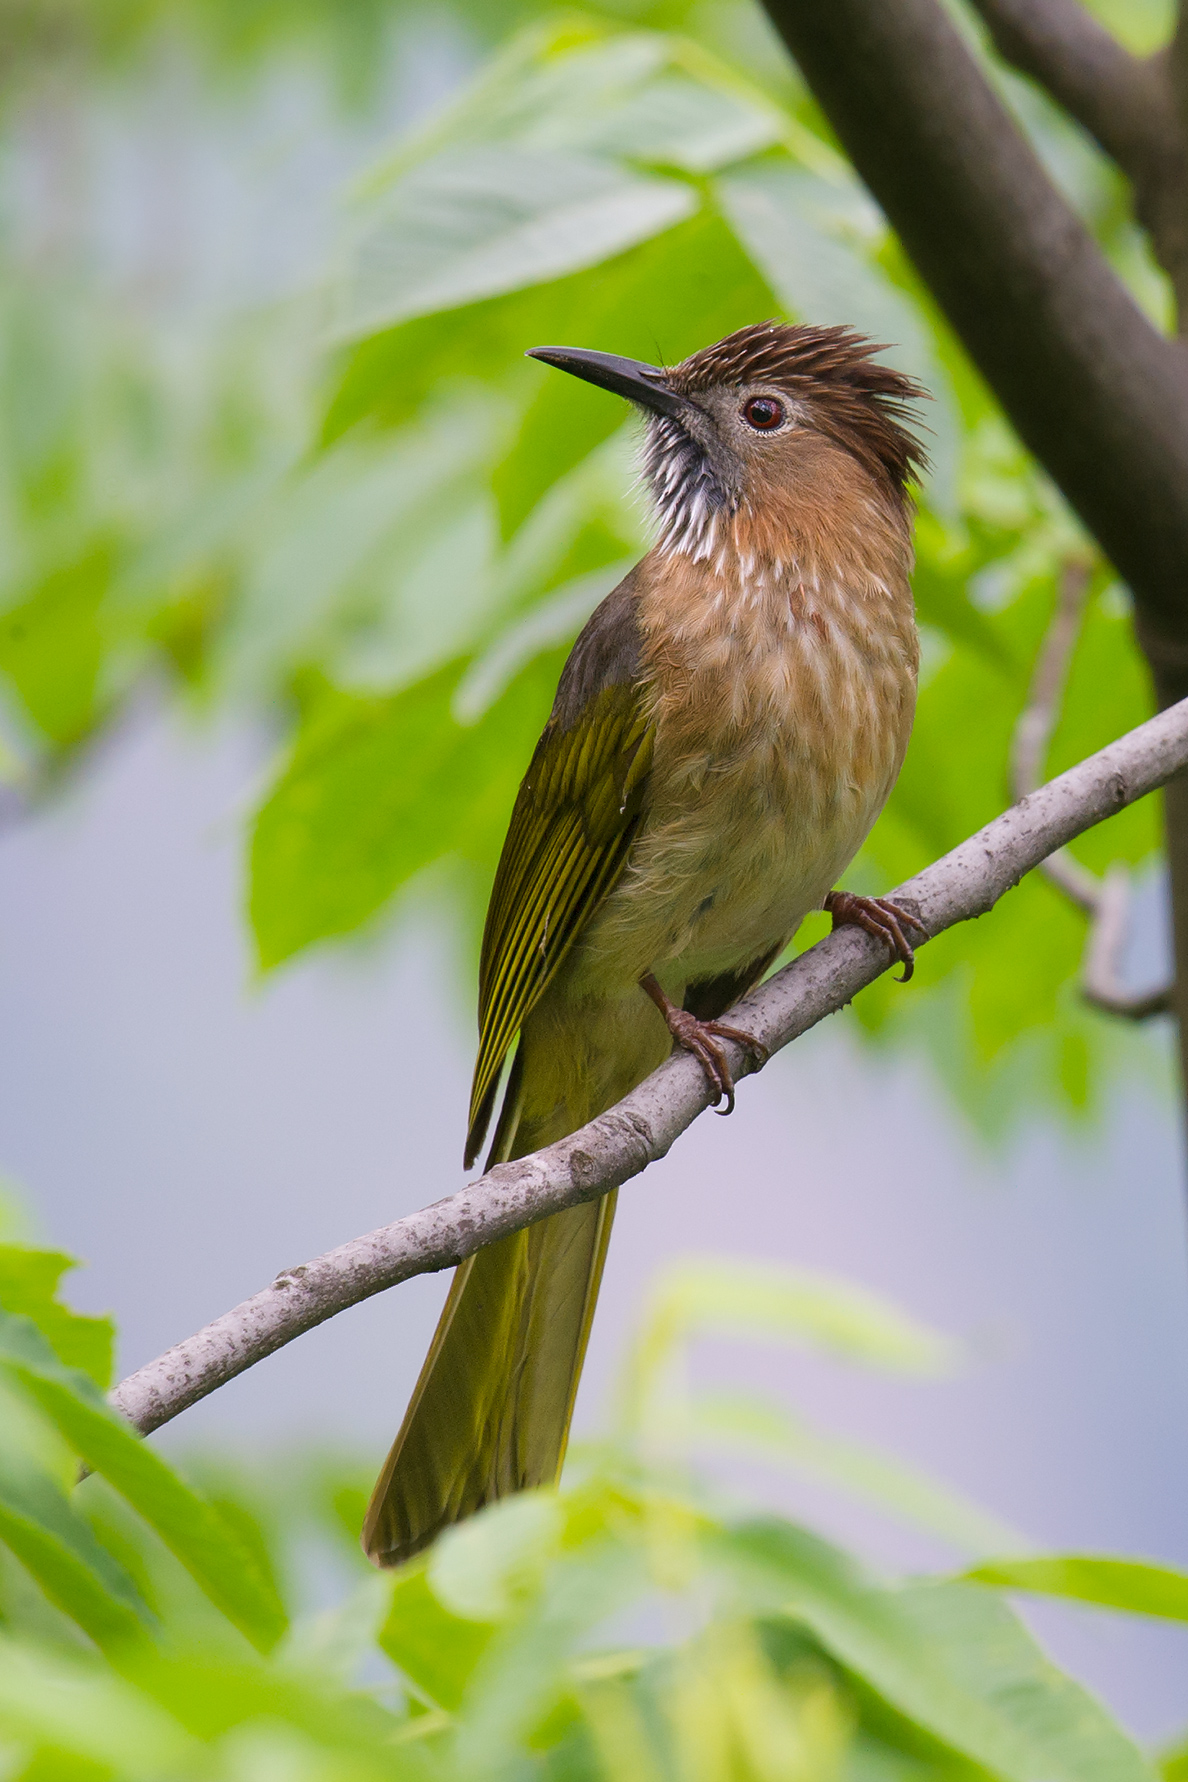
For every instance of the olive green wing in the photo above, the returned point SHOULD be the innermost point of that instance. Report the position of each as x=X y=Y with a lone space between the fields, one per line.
x=574 y=820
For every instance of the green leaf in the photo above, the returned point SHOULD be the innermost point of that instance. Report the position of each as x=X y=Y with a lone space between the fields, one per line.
x=375 y=790
x=59 y=1549
x=474 y=223
x=377 y=546
x=526 y=1676
x=581 y=86
x=770 y=1302
x=60 y=1704
x=52 y=648
x=1173 y=1764
x=549 y=622
x=487 y=1567
x=1135 y=1585
x=676 y=122
x=387 y=377
x=192 y=1530
x=437 y=1650
x=951 y=1657
x=28 y=1286
x=211 y=1694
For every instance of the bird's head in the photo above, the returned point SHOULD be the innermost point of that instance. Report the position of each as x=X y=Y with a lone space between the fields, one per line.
x=743 y=422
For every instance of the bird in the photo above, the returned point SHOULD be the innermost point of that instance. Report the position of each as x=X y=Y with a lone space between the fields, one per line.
x=725 y=732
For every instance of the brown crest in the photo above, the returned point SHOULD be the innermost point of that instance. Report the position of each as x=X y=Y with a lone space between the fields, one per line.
x=862 y=403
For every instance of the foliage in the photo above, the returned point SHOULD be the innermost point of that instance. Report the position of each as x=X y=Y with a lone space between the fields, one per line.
x=626 y=1626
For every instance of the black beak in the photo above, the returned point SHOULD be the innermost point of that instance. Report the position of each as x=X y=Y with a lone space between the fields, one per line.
x=640 y=383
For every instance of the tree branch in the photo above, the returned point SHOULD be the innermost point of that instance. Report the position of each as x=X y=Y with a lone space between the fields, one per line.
x=1037 y=721
x=1119 y=98
x=1101 y=974
x=1125 y=102
x=1105 y=901
x=967 y=882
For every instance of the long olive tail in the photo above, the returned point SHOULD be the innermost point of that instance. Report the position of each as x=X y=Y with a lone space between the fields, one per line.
x=492 y=1408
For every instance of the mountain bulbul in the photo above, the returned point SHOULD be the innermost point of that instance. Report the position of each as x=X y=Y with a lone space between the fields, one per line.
x=726 y=730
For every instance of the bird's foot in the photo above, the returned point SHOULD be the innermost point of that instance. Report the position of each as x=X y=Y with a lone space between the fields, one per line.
x=703 y=1038
x=880 y=917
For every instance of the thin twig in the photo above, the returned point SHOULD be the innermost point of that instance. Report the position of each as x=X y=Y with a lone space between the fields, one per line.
x=1100 y=974
x=1104 y=901
x=1033 y=732
x=641 y=1128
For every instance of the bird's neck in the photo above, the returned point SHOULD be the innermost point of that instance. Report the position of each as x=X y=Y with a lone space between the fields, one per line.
x=833 y=553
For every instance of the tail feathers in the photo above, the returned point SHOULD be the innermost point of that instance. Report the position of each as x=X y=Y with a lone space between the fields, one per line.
x=492 y=1408
x=491 y=1411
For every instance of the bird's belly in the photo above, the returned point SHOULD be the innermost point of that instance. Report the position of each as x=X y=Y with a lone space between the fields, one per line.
x=735 y=853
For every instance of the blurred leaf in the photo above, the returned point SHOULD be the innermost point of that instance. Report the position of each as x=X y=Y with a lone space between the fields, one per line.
x=52 y=648
x=485 y=1568
x=29 y=1284
x=375 y=790
x=1137 y=1586
x=370 y=555
x=579 y=85
x=523 y=1683
x=337 y=1642
x=212 y=1695
x=951 y=1658
x=189 y=1527
x=67 y=1706
x=771 y=1302
x=476 y=223
x=436 y=1648
x=742 y=1421
x=1173 y=1764
x=58 y=1548
x=552 y=621
x=721 y=1707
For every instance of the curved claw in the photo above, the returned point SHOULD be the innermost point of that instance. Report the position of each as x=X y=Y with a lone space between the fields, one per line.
x=882 y=918
x=701 y=1039
x=698 y=1037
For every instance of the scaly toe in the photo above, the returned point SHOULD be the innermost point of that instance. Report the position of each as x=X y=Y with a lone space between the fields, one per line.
x=881 y=918
x=901 y=915
x=741 y=1037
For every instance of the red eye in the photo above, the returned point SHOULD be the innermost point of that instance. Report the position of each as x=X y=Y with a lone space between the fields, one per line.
x=763 y=412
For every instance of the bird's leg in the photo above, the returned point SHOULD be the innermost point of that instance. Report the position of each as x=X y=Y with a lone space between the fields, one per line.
x=701 y=1038
x=880 y=917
